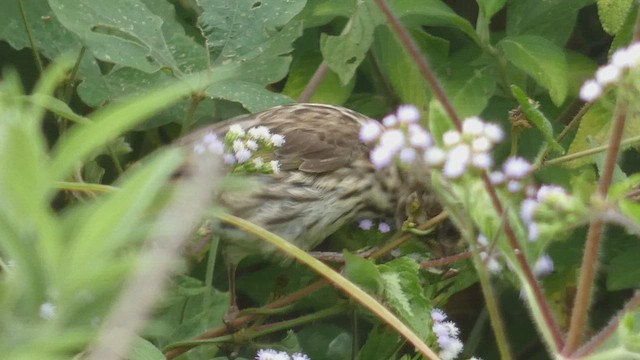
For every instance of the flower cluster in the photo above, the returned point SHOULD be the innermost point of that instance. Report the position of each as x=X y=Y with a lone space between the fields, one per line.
x=447 y=335
x=549 y=210
x=401 y=137
x=367 y=224
x=244 y=150
x=270 y=354
x=621 y=60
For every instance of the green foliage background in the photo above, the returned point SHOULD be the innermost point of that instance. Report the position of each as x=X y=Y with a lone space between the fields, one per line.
x=92 y=91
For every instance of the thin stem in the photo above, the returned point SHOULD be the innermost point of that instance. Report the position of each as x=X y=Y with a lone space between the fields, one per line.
x=580 y=312
x=32 y=40
x=593 y=151
x=314 y=83
x=440 y=94
x=423 y=66
x=574 y=121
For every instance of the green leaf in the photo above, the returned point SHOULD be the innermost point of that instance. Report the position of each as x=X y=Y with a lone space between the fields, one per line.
x=488 y=8
x=145 y=350
x=109 y=122
x=345 y=52
x=613 y=14
x=320 y=12
x=364 y=273
x=553 y=20
x=470 y=86
x=122 y=32
x=381 y=344
x=534 y=115
x=540 y=59
x=432 y=13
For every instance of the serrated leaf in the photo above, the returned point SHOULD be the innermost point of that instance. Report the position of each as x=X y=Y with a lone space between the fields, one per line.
x=345 y=52
x=536 y=116
x=122 y=32
x=364 y=273
x=394 y=294
x=542 y=60
x=613 y=14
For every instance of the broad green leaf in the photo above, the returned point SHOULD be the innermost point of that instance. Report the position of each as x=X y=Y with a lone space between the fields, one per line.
x=145 y=350
x=109 y=122
x=122 y=32
x=540 y=59
x=432 y=13
x=345 y=52
x=307 y=58
x=552 y=20
x=381 y=344
x=400 y=70
x=50 y=37
x=534 y=115
x=613 y=14
x=364 y=273
x=320 y=12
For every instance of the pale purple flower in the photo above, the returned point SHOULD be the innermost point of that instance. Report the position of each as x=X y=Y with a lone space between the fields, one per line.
x=482 y=160
x=258 y=162
x=242 y=155
x=199 y=148
x=393 y=140
x=497 y=177
x=590 y=91
x=229 y=159
x=457 y=160
x=407 y=155
x=238 y=145
x=452 y=351
x=300 y=356
x=514 y=186
x=381 y=157
x=633 y=54
x=440 y=329
x=543 y=267
x=390 y=120
x=365 y=224
x=418 y=137
x=516 y=168
x=534 y=231
x=527 y=210
x=384 y=228
x=251 y=145
x=438 y=315
x=408 y=114
x=549 y=191
x=370 y=131
x=274 y=165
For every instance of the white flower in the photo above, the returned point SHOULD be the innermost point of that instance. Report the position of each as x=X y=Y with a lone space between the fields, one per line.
x=238 y=145
x=482 y=160
x=516 y=168
x=370 y=131
x=408 y=114
x=390 y=120
x=544 y=266
x=407 y=155
x=493 y=132
x=590 y=91
x=418 y=137
x=608 y=74
x=451 y=138
x=260 y=133
x=300 y=356
x=633 y=54
x=393 y=140
x=472 y=126
x=550 y=191
x=434 y=156
x=270 y=354
x=621 y=59
x=236 y=130
x=534 y=231
x=514 y=186
x=252 y=145
x=381 y=157
x=242 y=155
x=482 y=240
x=438 y=315
x=497 y=177
x=452 y=351
x=274 y=165
x=457 y=160
x=365 y=224
x=258 y=162
x=47 y=311
x=481 y=144
x=277 y=140
x=440 y=329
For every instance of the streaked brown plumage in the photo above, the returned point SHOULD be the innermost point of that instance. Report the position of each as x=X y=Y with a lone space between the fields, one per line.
x=326 y=179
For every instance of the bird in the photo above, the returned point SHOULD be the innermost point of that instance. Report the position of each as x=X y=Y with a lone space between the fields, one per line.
x=324 y=178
